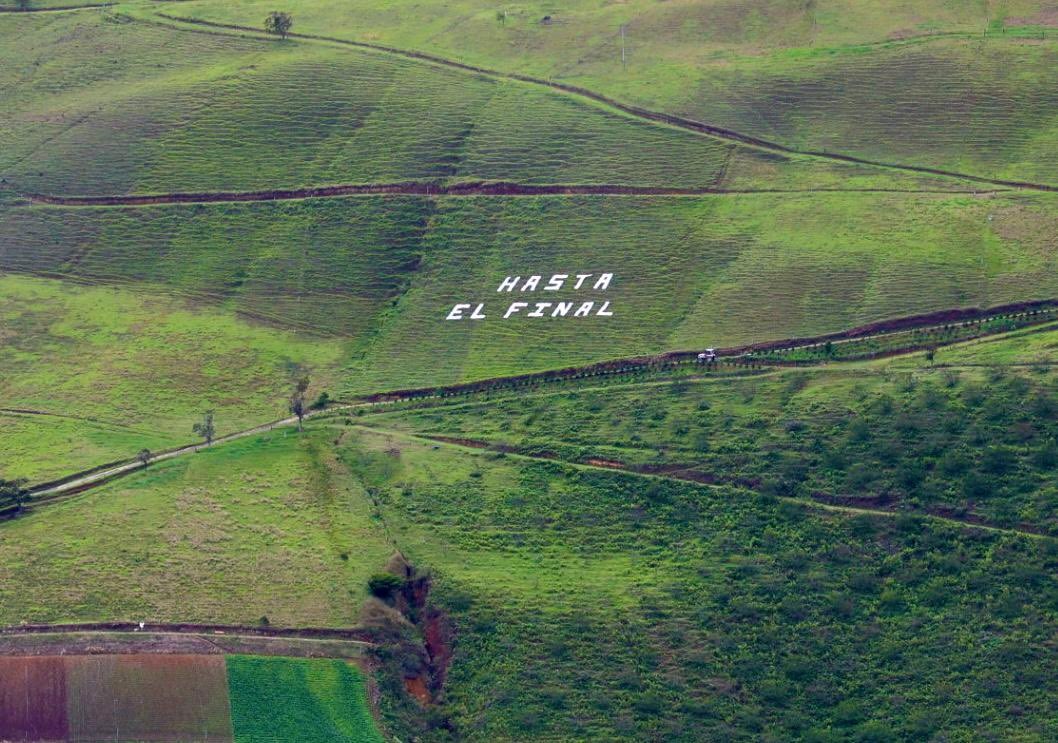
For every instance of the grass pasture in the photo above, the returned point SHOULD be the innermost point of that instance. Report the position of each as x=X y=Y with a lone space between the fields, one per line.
x=263 y=527
x=208 y=121
x=142 y=368
x=710 y=271
x=347 y=116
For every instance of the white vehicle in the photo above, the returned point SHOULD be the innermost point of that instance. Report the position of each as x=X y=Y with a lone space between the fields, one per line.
x=708 y=354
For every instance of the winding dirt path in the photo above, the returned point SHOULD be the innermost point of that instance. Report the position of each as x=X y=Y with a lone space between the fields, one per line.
x=689 y=474
x=640 y=112
x=47 y=492
x=246 y=630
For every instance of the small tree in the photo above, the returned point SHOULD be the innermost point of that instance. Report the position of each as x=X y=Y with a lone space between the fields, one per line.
x=931 y=353
x=501 y=16
x=24 y=4
x=322 y=401
x=384 y=585
x=205 y=428
x=144 y=455
x=297 y=401
x=279 y=23
x=13 y=493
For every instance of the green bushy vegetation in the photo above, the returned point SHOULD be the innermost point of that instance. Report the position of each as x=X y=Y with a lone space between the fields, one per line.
x=268 y=526
x=978 y=444
x=596 y=605
x=284 y=699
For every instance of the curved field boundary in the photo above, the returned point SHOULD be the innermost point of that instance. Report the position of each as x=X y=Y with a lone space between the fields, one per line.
x=481 y=188
x=630 y=109
x=57 y=8
x=688 y=474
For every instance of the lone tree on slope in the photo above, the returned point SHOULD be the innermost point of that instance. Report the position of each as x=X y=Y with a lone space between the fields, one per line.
x=297 y=400
x=205 y=428
x=279 y=23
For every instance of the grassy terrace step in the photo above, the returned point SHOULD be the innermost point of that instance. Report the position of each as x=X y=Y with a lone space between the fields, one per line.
x=347 y=116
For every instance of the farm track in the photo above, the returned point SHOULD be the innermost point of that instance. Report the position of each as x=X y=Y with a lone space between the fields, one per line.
x=309 y=633
x=85 y=419
x=640 y=112
x=497 y=188
x=76 y=483
x=689 y=474
x=58 y=8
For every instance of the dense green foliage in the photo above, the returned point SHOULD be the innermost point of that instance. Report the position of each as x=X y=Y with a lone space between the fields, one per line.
x=287 y=699
x=953 y=440
x=597 y=605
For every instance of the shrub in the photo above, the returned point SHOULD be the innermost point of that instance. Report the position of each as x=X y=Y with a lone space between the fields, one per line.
x=384 y=585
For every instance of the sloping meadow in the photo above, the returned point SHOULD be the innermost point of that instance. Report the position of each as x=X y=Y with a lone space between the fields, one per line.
x=384 y=273
x=244 y=114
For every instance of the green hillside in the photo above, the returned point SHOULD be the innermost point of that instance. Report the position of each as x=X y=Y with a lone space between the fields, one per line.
x=950 y=438
x=958 y=86
x=250 y=114
x=142 y=367
x=846 y=540
x=189 y=307
x=589 y=604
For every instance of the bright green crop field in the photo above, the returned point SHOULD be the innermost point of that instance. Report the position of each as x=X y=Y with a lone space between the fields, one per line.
x=285 y=699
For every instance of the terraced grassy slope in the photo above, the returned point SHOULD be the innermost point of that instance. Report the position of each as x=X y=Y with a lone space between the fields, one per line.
x=234 y=114
x=267 y=527
x=831 y=76
x=711 y=272
x=383 y=272
x=248 y=114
